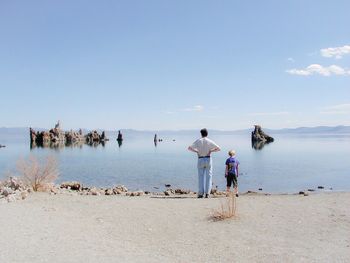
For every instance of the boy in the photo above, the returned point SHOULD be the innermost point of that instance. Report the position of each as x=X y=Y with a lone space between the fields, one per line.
x=231 y=172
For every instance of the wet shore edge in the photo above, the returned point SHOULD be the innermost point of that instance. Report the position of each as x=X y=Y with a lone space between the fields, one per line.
x=13 y=189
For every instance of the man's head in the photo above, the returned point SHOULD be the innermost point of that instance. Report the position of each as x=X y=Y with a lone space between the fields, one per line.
x=204 y=132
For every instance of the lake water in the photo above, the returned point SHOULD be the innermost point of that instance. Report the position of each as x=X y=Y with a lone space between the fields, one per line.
x=289 y=164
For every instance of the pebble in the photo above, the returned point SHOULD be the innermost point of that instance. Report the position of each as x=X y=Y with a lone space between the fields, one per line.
x=181 y=191
x=11 y=198
x=94 y=191
x=109 y=191
x=7 y=191
x=76 y=186
x=121 y=188
x=24 y=195
x=251 y=192
x=137 y=193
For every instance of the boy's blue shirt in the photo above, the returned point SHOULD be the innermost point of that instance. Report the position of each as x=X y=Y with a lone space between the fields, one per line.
x=232 y=163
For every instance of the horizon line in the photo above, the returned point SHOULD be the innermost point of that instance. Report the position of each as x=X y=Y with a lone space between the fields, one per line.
x=178 y=130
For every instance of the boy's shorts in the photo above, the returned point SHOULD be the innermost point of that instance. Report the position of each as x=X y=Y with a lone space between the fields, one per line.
x=231 y=179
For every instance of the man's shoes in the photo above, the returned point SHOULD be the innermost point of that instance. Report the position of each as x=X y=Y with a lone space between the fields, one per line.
x=206 y=195
x=200 y=196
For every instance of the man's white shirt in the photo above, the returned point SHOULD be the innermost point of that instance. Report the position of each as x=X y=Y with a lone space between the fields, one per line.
x=203 y=146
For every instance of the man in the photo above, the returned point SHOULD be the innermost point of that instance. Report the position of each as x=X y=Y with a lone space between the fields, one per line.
x=204 y=147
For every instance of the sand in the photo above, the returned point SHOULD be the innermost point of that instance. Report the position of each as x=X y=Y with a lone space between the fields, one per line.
x=278 y=228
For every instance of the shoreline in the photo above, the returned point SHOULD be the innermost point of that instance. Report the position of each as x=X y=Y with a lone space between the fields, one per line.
x=169 y=190
x=267 y=228
x=14 y=189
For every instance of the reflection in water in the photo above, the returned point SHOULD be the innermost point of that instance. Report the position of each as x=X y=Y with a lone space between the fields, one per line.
x=61 y=145
x=120 y=143
x=258 y=145
x=95 y=144
x=74 y=144
x=47 y=144
x=155 y=140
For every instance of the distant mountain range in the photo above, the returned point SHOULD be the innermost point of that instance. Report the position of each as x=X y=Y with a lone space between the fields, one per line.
x=300 y=130
x=315 y=130
x=24 y=131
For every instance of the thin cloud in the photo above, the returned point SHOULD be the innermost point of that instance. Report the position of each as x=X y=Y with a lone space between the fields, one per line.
x=316 y=69
x=291 y=60
x=195 y=108
x=335 y=52
x=279 y=113
x=337 y=109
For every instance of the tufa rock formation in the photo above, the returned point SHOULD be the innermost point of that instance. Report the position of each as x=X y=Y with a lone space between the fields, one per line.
x=259 y=138
x=54 y=136
x=74 y=137
x=95 y=137
x=120 y=136
x=58 y=138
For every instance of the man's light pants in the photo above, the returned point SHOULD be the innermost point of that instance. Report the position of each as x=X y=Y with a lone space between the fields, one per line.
x=205 y=172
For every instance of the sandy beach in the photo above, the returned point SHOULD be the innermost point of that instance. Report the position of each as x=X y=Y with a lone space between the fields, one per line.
x=275 y=228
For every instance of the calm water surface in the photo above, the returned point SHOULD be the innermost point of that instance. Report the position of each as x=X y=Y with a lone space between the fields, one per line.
x=289 y=164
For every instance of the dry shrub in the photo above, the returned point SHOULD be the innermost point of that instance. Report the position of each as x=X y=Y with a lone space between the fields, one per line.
x=38 y=176
x=226 y=210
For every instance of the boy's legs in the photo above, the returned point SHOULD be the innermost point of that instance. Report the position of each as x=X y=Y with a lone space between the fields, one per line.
x=228 y=186
x=235 y=190
x=235 y=185
x=229 y=182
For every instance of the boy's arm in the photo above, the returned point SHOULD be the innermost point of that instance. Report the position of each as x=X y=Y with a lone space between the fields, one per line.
x=226 y=170
x=237 y=169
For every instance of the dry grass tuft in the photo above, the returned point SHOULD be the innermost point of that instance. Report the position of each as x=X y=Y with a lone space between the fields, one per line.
x=227 y=210
x=39 y=177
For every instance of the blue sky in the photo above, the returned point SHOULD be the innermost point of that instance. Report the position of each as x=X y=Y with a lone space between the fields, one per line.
x=181 y=64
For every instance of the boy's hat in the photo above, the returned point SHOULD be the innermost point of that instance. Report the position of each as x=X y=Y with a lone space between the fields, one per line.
x=232 y=152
